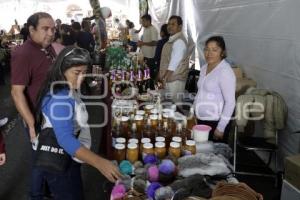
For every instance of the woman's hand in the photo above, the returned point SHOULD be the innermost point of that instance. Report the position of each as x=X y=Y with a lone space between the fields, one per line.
x=218 y=135
x=109 y=170
x=2 y=159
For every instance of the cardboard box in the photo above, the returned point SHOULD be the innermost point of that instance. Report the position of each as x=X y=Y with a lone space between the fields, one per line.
x=289 y=192
x=292 y=170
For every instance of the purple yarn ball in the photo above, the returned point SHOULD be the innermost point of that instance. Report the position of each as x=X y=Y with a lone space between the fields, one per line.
x=153 y=173
x=118 y=192
x=167 y=167
x=150 y=159
x=152 y=188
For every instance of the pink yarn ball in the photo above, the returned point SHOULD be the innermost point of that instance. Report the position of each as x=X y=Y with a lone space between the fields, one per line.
x=153 y=173
x=118 y=192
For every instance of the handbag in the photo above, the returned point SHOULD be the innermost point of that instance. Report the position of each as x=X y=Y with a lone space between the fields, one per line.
x=49 y=155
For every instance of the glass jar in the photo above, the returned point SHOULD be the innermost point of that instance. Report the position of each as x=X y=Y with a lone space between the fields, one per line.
x=139 y=125
x=174 y=150
x=177 y=139
x=148 y=108
x=160 y=150
x=154 y=111
x=144 y=141
x=125 y=126
x=140 y=112
x=133 y=140
x=147 y=149
x=154 y=121
x=119 y=152
x=160 y=139
x=190 y=147
x=132 y=153
x=120 y=140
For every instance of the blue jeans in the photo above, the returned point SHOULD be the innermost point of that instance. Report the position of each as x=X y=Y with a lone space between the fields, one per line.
x=63 y=186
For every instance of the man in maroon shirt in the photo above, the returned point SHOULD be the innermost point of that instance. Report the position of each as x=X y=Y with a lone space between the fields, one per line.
x=29 y=66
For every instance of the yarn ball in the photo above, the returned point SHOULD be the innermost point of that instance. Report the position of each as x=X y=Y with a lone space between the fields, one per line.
x=164 y=193
x=150 y=159
x=152 y=188
x=167 y=167
x=126 y=181
x=138 y=164
x=166 y=178
x=141 y=172
x=139 y=185
x=153 y=173
x=126 y=167
x=118 y=192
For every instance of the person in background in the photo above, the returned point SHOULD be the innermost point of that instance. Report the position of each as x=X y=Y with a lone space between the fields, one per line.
x=58 y=25
x=84 y=38
x=148 y=43
x=164 y=34
x=215 y=99
x=133 y=37
x=24 y=32
x=67 y=35
x=2 y=145
x=174 y=63
x=56 y=44
x=53 y=106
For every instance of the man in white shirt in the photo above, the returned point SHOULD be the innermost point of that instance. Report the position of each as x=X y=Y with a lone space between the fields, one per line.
x=148 y=43
x=174 y=60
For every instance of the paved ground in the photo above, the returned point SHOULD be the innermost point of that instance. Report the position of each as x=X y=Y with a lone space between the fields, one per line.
x=14 y=175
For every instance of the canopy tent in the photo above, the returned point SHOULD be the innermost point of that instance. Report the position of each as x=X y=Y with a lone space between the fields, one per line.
x=261 y=36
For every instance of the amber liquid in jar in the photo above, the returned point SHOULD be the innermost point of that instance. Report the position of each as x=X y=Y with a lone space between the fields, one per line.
x=138 y=119
x=125 y=126
x=190 y=147
x=147 y=149
x=119 y=152
x=160 y=150
x=174 y=150
x=132 y=153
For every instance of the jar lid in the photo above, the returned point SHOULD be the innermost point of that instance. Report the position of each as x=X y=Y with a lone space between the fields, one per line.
x=133 y=140
x=132 y=146
x=120 y=140
x=174 y=144
x=153 y=117
x=177 y=139
x=140 y=112
x=145 y=140
x=124 y=118
x=166 y=115
x=148 y=146
x=138 y=117
x=120 y=146
x=190 y=142
x=149 y=106
x=160 y=139
x=154 y=111
x=160 y=144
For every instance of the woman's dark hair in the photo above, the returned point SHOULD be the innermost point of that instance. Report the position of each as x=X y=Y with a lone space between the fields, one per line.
x=220 y=42
x=69 y=57
x=147 y=17
x=33 y=20
x=178 y=19
x=164 y=29
x=130 y=25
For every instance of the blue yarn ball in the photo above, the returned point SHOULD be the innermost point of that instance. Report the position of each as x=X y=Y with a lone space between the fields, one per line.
x=167 y=167
x=126 y=167
x=150 y=159
x=152 y=188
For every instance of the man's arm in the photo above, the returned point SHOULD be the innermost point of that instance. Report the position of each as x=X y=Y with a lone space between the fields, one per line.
x=17 y=93
x=152 y=43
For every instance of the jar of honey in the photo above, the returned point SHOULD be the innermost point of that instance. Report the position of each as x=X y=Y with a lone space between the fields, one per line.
x=132 y=153
x=140 y=112
x=154 y=121
x=139 y=121
x=147 y=149
x=148 y=108
x=119 y=152
x=144 y=141
x=160 y=139
x=133 y=140
x=190 y=147
x=125 y=126
x=160 y=150
x=174 y=150
x=120 y=140
x=177 y=139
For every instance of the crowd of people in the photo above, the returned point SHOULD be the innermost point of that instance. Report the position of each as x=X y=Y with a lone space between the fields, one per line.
x=53 y=51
